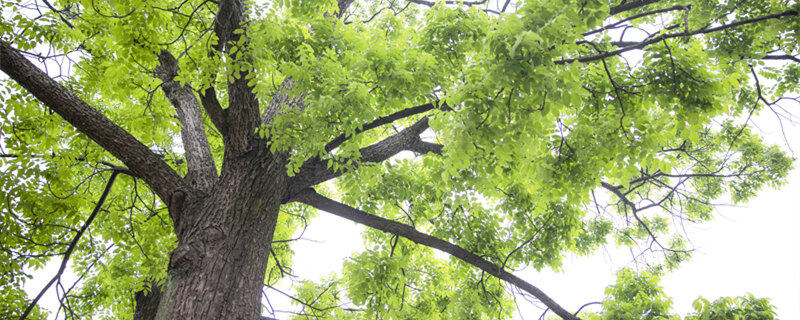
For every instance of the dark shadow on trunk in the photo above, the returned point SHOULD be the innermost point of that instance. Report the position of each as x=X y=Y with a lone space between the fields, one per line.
x=147 y=302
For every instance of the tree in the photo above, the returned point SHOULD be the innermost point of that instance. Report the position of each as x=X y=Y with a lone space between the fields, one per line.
x=173 y=149
x=639 y=296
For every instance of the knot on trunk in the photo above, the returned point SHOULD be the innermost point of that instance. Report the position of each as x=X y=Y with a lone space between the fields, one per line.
x=190 y=254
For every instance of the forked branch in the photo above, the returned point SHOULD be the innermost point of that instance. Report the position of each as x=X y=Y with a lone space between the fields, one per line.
x=316 y=171
x=405 y=113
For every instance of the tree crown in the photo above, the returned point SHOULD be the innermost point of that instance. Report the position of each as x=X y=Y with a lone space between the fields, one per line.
x=520 y=132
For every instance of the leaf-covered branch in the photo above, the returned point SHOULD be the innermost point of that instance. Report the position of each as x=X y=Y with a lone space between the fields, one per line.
x=315 y=171
x=657 y=39
x=310 y=197
x=139 y=158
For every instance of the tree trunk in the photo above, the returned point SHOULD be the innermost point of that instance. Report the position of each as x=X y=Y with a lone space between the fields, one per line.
x=217 y=270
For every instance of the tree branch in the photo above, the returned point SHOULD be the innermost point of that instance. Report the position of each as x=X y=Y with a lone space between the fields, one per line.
x=242 y=113
x=781 y=57
x=134 y=154
x=627 y=6
x=284 y=98
x=343 y=5
x=218 y=116
x=147 y=301
x=642 y=44
x=634 y=210
x=202 y=171
x=405 y=113
x=315 y=171
x=73 y=243
x=310 y=197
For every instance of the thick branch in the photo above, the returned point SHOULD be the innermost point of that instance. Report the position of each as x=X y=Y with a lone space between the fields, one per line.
x=202 y=171
x=73 y=243
x=147 y=302
x=407 y=139
x=310 y=197
x=284 y=99
x=230 y=16
x=315 y=171
x=242 y=112
x=141 y=160
x=781 y=57
x=343 y=5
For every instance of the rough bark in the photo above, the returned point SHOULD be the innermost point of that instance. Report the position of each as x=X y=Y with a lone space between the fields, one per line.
x=202 y=171
x=217 y=270
x=146 y=303
x=218 y=116
x=286 y=98
x=242 y=116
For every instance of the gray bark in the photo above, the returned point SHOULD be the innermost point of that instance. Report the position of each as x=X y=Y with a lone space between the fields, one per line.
x=202 y=171
x=315 y=171
x=284 y=99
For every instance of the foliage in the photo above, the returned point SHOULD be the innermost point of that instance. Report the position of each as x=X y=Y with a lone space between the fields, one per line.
x=745 y=307
x=557 y=138
x=638 y=295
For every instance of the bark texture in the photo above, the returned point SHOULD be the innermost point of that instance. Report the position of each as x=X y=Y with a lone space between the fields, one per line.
x=146 y=303
x=202 y=171
x=217 y=270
